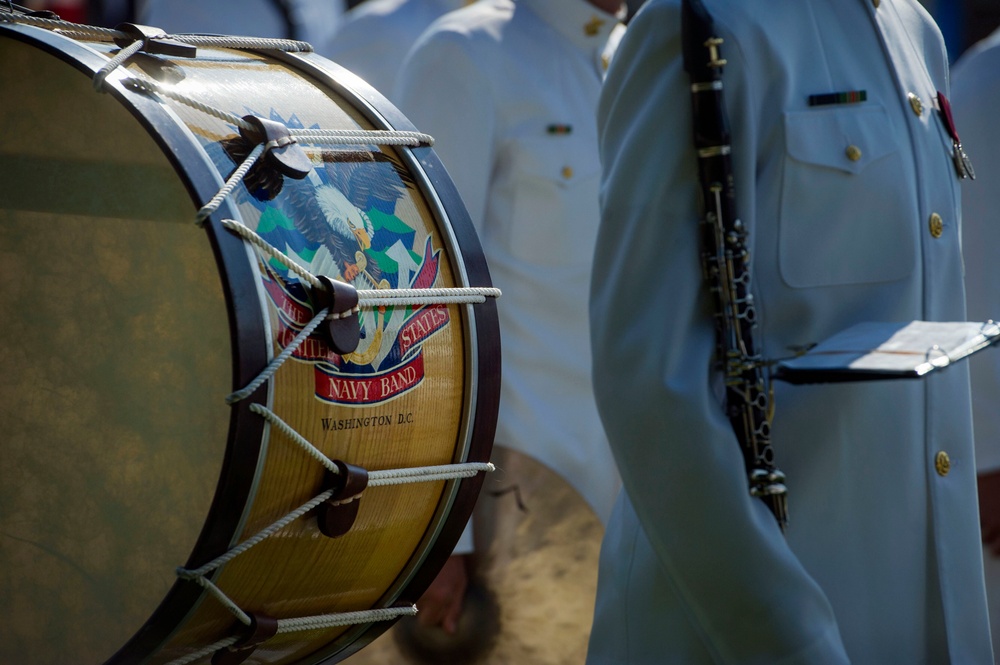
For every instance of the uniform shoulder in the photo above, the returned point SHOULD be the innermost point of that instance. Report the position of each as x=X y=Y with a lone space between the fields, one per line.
x=738 y=17
x=482 y=19
x=981 y=60
x=475 y=30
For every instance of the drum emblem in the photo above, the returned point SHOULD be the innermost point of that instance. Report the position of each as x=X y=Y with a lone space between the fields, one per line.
x=347 y=220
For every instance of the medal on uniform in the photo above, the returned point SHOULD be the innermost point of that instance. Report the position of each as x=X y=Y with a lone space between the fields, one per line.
x=963 y=165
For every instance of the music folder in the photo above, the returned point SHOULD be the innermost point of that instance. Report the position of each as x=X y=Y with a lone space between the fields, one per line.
x=882 y=350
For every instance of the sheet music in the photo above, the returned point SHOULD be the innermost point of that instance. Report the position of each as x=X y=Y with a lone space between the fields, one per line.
x=883 y=350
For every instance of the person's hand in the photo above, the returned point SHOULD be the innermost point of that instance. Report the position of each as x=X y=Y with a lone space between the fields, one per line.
x=441 y=604
x=989 y=509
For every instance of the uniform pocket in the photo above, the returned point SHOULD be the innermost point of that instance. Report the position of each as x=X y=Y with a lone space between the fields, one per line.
x=554 y=201
x=844 y=217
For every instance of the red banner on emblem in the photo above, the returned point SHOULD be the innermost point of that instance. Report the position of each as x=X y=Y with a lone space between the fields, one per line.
x=422 y=325
x=369 y=389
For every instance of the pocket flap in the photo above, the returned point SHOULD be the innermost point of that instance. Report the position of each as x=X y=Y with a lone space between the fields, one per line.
x=846 y=138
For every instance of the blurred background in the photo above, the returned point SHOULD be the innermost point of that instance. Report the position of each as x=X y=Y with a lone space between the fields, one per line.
x=963 y=22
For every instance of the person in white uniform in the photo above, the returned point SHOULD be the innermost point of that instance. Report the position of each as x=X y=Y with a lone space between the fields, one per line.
x=509 y=91
x=975 y=100
x=312 y=21
x=845 y=182
x=374 y=37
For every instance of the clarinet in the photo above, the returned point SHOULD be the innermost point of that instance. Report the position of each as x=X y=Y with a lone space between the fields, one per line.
x=725 y=264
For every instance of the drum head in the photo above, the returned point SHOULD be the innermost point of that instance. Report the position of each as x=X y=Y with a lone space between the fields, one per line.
x=116 y=350
x=125 y=325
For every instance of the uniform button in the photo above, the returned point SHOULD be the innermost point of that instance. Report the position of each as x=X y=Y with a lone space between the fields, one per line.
x=605 y=61
x=915 y=103
x=567 y=172
x=876 y=3
x=936 y=225
x=942 y=463
x=853 y=153
x=593 y=27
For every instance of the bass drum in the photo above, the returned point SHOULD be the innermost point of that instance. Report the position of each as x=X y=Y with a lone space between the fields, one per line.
x=125 y=325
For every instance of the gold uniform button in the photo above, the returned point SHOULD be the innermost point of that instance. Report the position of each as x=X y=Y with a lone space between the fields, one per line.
x=936 y=225
x=853 y=153
x=915 y=103
x=593 y=27
x=942 y=463
x=876 y=3
x=567 y=172
x=605 y=61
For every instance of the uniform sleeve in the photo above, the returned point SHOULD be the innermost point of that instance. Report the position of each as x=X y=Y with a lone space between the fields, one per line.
x=653 y=343
x=444 y=91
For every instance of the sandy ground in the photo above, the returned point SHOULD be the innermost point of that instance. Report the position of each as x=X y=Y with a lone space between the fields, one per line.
x=537 y=560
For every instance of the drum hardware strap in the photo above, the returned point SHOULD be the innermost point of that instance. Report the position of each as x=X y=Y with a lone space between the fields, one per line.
x=283 y=153
x=262 y=628
x=337 y=514
x=153 y=41
x=343 y=328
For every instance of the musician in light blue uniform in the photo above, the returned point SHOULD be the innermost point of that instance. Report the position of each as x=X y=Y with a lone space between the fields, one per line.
x=976 y=98
x=852 y=203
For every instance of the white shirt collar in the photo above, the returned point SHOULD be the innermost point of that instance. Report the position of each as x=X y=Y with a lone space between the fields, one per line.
x=583 y=24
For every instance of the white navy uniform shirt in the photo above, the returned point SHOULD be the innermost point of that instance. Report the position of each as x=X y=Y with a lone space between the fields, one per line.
x=509 y=91
x=313 y=20
x=373 y=39
x=853 y=215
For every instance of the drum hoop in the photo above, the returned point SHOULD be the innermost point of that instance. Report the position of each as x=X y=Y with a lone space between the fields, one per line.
x=250 y=346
